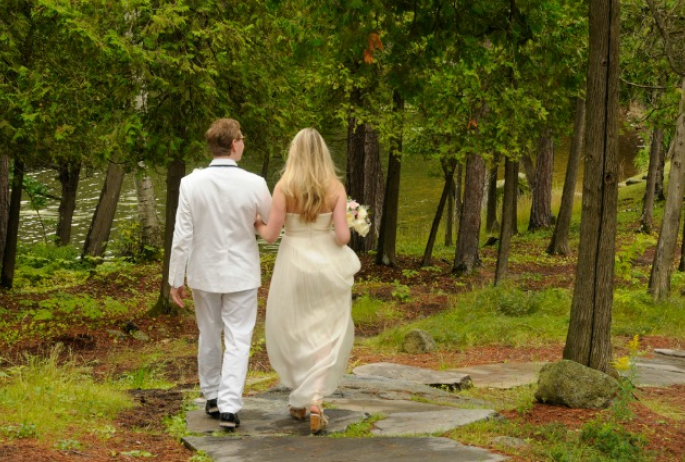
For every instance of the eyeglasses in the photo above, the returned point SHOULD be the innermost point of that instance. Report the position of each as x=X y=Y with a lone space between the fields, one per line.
x=242 y=138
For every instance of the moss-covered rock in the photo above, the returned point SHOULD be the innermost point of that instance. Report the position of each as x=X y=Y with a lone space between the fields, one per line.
x=576 y=386
x=418 y=341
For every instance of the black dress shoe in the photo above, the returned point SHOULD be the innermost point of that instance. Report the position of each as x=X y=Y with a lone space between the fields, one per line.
x=212 y=408
x=229 y=421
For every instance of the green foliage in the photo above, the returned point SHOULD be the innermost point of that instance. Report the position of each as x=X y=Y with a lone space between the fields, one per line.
x=624 y=267
x=130 y=246
x=145 y=377
x=400 y=291
x=71 y=402
x=479 y=318
x=613 y=441
x=368 y=310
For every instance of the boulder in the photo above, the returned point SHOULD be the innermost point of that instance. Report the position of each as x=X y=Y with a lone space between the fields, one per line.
x=574 y=385
x=418 y=341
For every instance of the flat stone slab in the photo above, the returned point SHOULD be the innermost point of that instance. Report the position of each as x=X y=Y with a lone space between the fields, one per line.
x=419 y=423
x=659 y=371
x=355 y=387
x=382 y=406
x=286 y=449
x=666 y=352
x=266 y=417
x=504 y=375
x=450 y=380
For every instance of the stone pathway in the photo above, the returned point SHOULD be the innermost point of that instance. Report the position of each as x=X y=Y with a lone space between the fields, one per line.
x=665 y=368
x=401 y=395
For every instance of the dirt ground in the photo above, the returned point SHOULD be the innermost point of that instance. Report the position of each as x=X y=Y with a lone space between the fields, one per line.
x=142 y=429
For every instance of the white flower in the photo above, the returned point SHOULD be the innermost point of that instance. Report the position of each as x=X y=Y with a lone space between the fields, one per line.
x=358 y=217
x=362 y=228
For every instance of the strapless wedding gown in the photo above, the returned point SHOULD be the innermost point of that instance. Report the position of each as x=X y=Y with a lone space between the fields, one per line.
x=309 y=328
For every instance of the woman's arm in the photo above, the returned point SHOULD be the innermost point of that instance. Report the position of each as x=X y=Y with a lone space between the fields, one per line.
x=342 y=231
x=270 y=231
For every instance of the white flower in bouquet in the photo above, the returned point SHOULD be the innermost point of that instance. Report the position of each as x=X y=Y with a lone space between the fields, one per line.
x=358 y=217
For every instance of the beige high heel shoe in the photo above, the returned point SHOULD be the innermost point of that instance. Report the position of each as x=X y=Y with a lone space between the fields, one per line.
x=317 y=420
x=298 y=413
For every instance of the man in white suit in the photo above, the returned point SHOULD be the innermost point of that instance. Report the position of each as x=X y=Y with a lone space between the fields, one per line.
x=214 y=238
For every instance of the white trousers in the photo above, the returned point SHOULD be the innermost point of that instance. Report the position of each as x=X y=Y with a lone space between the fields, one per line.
x=222 y=374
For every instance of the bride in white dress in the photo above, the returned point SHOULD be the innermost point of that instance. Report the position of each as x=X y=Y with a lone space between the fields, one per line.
x=309 y=329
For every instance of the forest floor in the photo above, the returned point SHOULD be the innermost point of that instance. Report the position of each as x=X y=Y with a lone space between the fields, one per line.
x=142 y=430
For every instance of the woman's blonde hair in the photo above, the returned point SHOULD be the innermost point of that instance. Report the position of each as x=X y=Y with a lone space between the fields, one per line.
x=308 y=174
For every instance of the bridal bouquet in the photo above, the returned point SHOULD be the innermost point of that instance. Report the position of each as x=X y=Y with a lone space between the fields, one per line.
x=358 y=217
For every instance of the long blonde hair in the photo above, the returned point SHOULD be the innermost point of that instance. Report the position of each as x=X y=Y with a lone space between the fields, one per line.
x=308 y=174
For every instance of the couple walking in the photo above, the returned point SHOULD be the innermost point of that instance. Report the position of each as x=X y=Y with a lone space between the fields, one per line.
x=309 y=329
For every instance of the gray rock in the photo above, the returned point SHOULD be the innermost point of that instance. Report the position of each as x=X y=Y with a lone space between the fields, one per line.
x=418 y=423
x=140 y=335
x=274 y=449
x=504 y=375
x=447 y=380
x=509 y=442
x=418 y=341
x=117 y=334
x=574 y=385
x=660 y=371
x=666 y=352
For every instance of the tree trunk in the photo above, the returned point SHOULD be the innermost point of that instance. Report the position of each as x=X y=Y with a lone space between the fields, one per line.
x=265 y=165
x=541 y=205
x=589 y=334
x=659 y=186
x=364 y=179
x=511 y=174
x=147 y=211
x=9 y=256
x=466 y=256
x=69 y=175
x=175 y=172
x=101 y=226
x=387 y=235
x=449 y=216
x=4 y=199
x=559 y=244
x=491 y=224
x=660 y=278
x=448 y=167
x=656 y=153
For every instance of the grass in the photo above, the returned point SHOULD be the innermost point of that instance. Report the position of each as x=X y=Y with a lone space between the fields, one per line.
x=51 y=401
x=493 y=316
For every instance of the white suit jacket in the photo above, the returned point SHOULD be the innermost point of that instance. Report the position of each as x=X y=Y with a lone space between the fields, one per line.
x=214 y=237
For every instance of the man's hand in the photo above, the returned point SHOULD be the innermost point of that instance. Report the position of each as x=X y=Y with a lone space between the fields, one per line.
x=177 y=295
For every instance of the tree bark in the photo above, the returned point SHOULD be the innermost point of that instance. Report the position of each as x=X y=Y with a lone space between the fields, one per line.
x=449 y=216
x=589 y=334
x=147 y=211
x=541 y=205
x=9 y=256
x=466 y=257
x=448 y=167
x=69 y=175
x=175 y=172
x=491 y=224
x=4 y=199
x=656 y=153
x=103 y=218
x=559 y=244
x=660 y=277
x=511 y=174
x=387 y=235
x=364 y=179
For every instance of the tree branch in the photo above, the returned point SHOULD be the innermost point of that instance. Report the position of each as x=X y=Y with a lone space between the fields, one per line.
x=641 y=86
x=664 y=34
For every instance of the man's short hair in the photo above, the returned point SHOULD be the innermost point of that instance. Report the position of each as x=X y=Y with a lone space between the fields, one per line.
x=220 y=136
